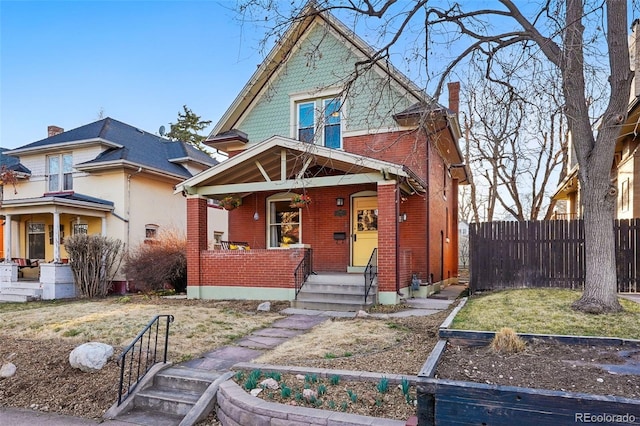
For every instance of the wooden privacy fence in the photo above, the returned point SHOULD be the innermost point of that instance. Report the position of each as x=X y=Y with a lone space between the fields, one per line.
x=545 y=254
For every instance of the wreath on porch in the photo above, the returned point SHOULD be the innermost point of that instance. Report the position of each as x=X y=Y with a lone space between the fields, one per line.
x=299 y=200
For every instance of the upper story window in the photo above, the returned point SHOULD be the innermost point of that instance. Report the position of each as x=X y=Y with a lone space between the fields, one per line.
x=319 y=121
x=60 y=172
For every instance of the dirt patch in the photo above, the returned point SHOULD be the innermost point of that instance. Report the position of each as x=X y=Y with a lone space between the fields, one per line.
x=601 y=370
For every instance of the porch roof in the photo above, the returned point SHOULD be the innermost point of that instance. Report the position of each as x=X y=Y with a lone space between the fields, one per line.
x=61 y=202
x=282 y=164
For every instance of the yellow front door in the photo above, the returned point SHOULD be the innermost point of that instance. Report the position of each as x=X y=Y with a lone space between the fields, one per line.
x=365 y=229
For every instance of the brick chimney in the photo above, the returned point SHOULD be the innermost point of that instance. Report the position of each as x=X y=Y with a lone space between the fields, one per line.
x=634 y=53
x=454 y=96
x=54 y=130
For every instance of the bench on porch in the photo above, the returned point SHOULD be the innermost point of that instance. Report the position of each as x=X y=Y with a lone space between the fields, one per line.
x=25 y=263
x=234 y=245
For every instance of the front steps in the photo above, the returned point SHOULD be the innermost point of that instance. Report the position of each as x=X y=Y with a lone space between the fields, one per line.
x=175 y=396
x=335 y=292
x=20 y=291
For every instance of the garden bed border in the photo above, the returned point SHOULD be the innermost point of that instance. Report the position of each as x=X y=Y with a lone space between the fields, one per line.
x=237 y=407
x=442 y=401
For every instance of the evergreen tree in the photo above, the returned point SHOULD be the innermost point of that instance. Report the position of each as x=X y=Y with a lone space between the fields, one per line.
x=187 y=127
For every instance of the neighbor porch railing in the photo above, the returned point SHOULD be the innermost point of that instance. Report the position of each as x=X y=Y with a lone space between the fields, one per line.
x=370 y=273
x=302 y=271
x=137 y=359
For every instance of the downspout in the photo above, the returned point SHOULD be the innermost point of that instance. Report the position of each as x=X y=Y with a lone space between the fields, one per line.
x=428 y=206
x=397 y=237
x=128 y=213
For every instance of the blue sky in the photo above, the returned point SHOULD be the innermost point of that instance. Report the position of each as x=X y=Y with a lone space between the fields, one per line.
x=63 y=62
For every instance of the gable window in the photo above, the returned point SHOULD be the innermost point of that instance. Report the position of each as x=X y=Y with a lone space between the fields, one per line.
x=319 y=121
x=60 y=172
x=283 y=222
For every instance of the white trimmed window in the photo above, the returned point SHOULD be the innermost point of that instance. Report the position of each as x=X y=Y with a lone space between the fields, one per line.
x=60 y=172
x=284 y=222
x=319 y=121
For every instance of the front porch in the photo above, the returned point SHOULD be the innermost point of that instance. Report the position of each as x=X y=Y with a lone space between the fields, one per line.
x=54 y=281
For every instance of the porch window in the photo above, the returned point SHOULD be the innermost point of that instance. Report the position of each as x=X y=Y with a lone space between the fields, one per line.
x=79 y=228
x=319 y=121
x=51 y=234
x=35 y=240
x=60 y=172
x=284 y=223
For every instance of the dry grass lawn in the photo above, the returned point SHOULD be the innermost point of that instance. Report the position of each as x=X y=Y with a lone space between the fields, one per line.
x=199 y=326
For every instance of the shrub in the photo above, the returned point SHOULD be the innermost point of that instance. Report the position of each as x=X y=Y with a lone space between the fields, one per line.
x=158 y=264
x=506 y=341
x=94 y=260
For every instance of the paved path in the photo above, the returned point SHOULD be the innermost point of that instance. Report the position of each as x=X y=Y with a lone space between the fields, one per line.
x=250 y=347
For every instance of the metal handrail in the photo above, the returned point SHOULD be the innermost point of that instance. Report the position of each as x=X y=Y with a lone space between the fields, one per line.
x=370 y=273
x=302 y=271
x=141 y=358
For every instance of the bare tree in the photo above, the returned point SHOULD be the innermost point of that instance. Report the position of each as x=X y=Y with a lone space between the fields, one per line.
x=554 y=28
x=516 y=143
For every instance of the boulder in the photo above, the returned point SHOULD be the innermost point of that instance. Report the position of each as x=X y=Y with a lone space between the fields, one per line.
x=264 y=306
x=7 y=370
x=90 y=357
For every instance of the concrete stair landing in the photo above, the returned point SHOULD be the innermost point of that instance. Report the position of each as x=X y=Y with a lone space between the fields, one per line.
x=335 y=292
x=20 y=291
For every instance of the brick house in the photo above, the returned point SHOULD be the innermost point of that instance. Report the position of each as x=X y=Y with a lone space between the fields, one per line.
x=379 y=162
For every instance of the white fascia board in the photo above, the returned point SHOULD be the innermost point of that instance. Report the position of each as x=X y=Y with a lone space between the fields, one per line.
x=121 y=163
x=285 y=185
x=61 y=146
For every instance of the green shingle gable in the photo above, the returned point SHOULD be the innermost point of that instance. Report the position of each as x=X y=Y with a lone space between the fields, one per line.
x=322 y=61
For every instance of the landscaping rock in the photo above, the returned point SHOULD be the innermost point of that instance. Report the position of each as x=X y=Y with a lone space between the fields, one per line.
x=264 y=307
x=90 y=357
x=362 y=314
x=269 y=384
x=7 y=370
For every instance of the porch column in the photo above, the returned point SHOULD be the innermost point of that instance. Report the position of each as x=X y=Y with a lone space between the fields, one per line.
x=103 y=232
x=196 y=242
x=387 y=239
x=7 y=238
x=56 y=237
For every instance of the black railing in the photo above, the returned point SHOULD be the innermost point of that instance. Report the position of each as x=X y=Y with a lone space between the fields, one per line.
x=370 y=273
x=302 y=271
x=137 y=359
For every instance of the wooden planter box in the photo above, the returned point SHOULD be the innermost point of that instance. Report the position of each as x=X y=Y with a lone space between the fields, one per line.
x=451 y=402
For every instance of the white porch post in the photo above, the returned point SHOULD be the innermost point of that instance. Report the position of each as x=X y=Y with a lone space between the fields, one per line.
x=7 y=238
x=56 y=237
x=104 y=227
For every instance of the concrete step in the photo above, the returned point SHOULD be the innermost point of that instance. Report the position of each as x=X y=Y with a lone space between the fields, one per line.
x=17 y=298
x=138 y=416
x=35 y=292
x=336 y=278
x=335 y=305
x=186 y=379
x=170 y=401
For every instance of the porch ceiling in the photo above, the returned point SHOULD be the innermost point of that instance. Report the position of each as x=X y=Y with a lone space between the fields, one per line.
x=283 y=164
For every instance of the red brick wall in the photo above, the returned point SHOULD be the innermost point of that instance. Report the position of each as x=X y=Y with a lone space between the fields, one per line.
x=405 y=148
x=252 y=268
x=320 y=220
x=196 y=237
x=387 y=250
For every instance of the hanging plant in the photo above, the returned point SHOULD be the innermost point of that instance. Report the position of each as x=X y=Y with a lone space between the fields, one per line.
x=230 y=202
x=299 y=200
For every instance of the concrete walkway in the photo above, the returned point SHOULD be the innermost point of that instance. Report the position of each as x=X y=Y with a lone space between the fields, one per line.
x=250 y=347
